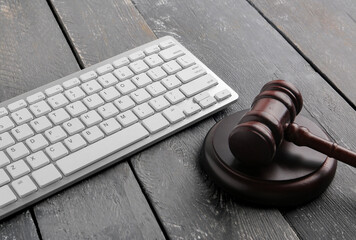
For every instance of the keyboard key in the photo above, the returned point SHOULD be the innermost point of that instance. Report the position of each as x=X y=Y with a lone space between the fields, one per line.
x=17 y=105
x=75 y=142
x=207 y=102
x=22 y=116
x=171 y=53
x=171 y=82
x=37 y=142
x=93 y=153
x=39 y=109
x=17 y=151
x=126 y=87
x=59 y=116
x=6 y=124
x=136 y=55
x=156 y=73
x=123 y=73
x=191 y=73
x=166 y=44
x=104 y=69
x=198 y=85
x=73 y=126
x=153 y=60
x=152 y=49
x=3 y=112
x=156 y=89
x=7 y=196
x=56 y=151
x=55 y=134
x=74 y=94
x=17 y=169
x=93 y=134
x=108 y=110
x=6 y=141
x=171 y=67
x=138 y=67
x=159 y=103
x=88 y=76
x=35 y=97
x=73 y=82
x=24 y=186
x=53 y=90
x=41 y=124
x=107 y=80
x=4 y=178
x=37 y=160
x=91 y=118
x=22 y=132
x=191 y=109
x=4 y=160
x=142 y=111
x=110 y=126
x=174 y=114
x=127 y=118
x=77 y=108
x=185 y=61
x=174 y=96
x=57 y=101
x=124 y=103
x=91 y=87
x=140 y=96
x=141 y=80
x=109 y=94
x=93 y=101
x=121 y=62
x=197 y=98
x=155 y=123
x=46 y=175
x=222 y=95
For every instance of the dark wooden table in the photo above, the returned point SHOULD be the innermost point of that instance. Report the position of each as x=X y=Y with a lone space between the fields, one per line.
x=162 y=191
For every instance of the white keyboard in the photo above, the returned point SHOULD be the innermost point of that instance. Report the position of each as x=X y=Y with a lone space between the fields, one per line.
x=58 y=134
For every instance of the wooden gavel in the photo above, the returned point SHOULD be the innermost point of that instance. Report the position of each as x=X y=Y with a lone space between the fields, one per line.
x=254 y=141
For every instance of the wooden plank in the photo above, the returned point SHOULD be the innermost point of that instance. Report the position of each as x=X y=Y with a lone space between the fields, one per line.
x=324 y=31
x=244 y=50
x=182 y=215
x=20 y=226
x=111 y=204
x=32 y=53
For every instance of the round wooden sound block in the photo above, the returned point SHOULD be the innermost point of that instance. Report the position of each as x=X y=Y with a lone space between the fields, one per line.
x=295 y=176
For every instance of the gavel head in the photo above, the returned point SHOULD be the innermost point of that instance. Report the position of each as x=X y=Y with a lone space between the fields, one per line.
x=255 y=139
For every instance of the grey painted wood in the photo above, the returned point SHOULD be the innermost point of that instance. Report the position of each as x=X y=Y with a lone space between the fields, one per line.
x=324 y=31
x=20 y=226
x=183 y=215
x=244 y=50
x=34 y=51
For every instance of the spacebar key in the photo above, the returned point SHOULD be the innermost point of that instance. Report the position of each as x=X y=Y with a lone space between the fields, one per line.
x=103 y=148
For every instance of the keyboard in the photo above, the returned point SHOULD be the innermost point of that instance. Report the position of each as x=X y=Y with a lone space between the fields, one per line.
x=62 y=132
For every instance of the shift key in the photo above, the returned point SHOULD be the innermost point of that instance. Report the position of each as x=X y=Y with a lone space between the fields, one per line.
x=194 y=87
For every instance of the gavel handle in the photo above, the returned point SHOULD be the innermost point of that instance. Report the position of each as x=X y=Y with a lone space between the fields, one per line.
x=301 y=136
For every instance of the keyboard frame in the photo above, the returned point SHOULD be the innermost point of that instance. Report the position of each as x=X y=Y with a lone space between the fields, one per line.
x=43 y=193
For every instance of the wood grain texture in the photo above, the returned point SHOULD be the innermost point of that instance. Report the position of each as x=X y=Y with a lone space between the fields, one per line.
x=33 y=51
x=188 y=219
x=107 y=206
x=20 y=226
x=244 y=50
x=324 y=31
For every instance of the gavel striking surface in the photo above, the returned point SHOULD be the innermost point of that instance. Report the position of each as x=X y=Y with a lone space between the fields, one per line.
x=295 y=176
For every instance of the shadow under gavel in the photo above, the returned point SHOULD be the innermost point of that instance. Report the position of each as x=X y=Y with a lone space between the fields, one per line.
x=254 y=141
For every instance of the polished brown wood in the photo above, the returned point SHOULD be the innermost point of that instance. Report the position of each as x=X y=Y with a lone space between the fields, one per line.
x=302 y=136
